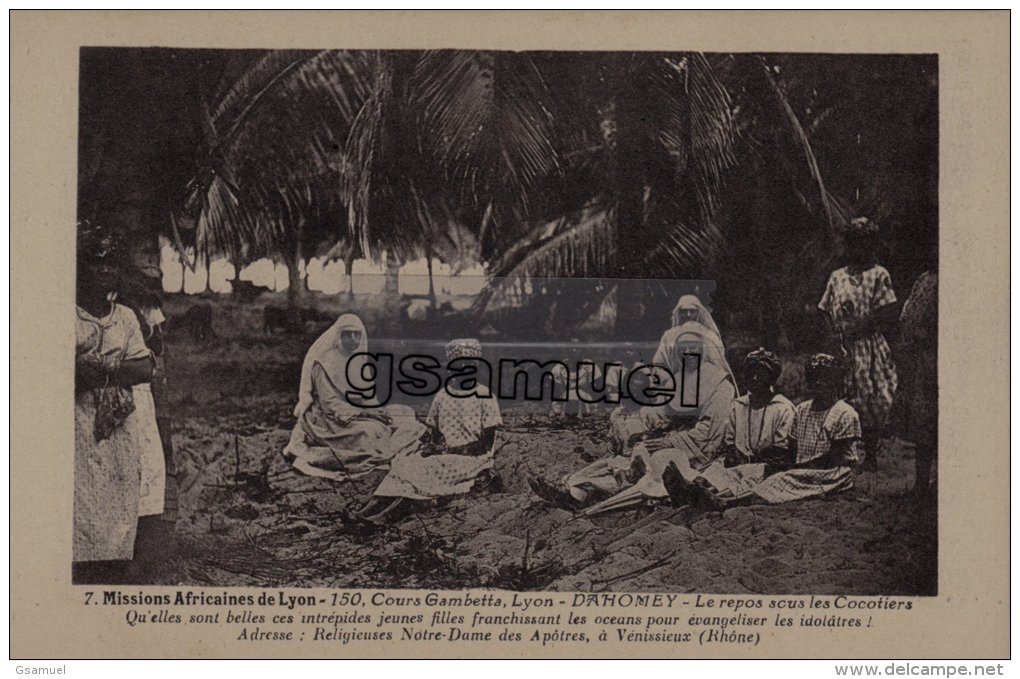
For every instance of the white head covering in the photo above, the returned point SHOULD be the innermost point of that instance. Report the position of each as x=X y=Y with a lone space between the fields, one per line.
x=677 y=340
x=327 y=351
x=692 y=303
x=703 y=383
x=463 y=348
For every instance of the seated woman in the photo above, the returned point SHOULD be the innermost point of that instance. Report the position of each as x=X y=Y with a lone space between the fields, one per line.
x=456 y=453
x=630 y=423
x=334 y=438
x=690 y=425
x=825 y=447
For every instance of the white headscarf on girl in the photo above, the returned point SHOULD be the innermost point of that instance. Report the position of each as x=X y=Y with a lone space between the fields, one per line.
x=326 y=350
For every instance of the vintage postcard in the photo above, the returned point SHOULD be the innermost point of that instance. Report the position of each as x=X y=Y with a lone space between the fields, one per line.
x=485 y=334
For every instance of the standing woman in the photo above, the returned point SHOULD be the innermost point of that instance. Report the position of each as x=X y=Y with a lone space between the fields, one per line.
x=919 y=323
x=110 y=430
x=860 y=305
x=158 y=505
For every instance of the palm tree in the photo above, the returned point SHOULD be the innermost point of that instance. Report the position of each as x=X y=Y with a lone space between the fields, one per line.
x=411 y=136
x=560 y=164
x=500 y=128
x=673 y=128
x=447 y=135
x=395 y=137
x=666 y=138
x=270 y=162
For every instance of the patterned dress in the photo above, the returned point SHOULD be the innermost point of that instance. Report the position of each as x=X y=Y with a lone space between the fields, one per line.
x=815 y=432
x=108 y=472
x=461 y=420
x=850 y=298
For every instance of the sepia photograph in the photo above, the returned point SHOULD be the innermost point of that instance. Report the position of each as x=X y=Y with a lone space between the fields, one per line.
x=492 y=334
x=534 y=321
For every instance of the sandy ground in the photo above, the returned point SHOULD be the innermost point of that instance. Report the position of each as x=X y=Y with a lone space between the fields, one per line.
x=246 y=518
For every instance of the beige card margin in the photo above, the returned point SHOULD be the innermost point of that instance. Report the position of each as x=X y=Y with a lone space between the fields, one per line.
x=969 y=618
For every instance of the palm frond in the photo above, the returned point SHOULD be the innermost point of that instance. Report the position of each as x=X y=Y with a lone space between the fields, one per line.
x=800 y=136
x=179 y=242
x=331 y=79
x=698 y=129
x=222 y=227
x=485 y=117
x=579 y=244
x=360 y=156
x=683 y=252
x=256 y=77
x=275 y=146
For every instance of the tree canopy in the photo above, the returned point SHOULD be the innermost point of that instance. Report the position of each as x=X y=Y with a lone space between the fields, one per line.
x=737 y=167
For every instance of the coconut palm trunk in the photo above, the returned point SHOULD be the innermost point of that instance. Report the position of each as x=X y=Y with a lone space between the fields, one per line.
x=296 y=290
x=348 y=265
x=630 y=157
x=432 y=286
x=392 y=286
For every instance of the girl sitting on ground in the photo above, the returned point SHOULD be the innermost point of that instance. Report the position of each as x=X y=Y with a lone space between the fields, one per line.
x=824 y=448
x=689 y=427
x=578 y=384
x=456 y=453
x=758 y=431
